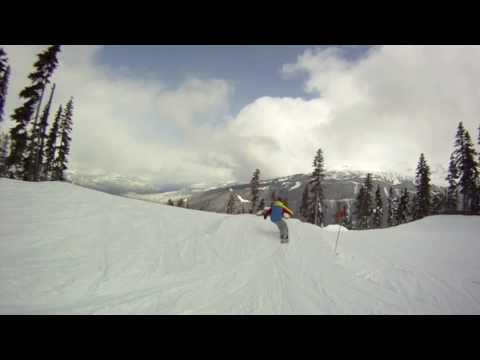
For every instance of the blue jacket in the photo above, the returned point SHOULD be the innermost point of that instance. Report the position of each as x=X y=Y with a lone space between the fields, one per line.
x=277 y=210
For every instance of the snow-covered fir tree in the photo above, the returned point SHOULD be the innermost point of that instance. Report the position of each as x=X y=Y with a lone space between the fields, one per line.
x=51 y=146
x=4 y=78
x=261 y=206
x=34 y=159
x=422 y=201
x=364 y=205
x=467 y=168
x=230 y=208
x=403 y=212
x=438 y=203
x=3 y=153
x=361 y=221
x=305 y=203
x=469 y=175
x=392 y=208
x=315 y=207
x=452 y=192
x=378 y=209
x=61 y=161
x=254 y=185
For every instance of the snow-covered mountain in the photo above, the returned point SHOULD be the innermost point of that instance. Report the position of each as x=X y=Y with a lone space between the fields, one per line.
x=340 y=188
x=65 y=249
x=118 y=184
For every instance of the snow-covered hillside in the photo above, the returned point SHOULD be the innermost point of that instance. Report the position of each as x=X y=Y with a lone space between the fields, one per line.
x=67 y=249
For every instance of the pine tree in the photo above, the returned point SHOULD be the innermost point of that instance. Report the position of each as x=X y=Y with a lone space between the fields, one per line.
x=378 y=210
x=34 y=159
x=305 y=202
x=468 y=174
x=466 y=164
x=403 y=213
x=231 y=204
x=262 y=204
x=4 y=78
x=316 y=215
x=364 y=206
x=43 y=133
x=180 y=203
x=423 y=195
x=254 y=185
x=60 y=163
x=51 y=147
x=170 y=202
x=438 y=203
x=44 y=68
x=413 y=208
x=361 y=219
x=392 y=208
x=3 y=154
x=452 y=193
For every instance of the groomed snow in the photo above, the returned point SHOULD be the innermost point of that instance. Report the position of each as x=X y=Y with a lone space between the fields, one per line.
x=70 y=250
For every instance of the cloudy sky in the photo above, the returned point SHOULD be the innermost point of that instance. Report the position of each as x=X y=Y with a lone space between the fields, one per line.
x=208 y=114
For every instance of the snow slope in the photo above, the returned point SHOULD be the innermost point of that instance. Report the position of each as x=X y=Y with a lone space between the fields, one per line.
x=70 y=250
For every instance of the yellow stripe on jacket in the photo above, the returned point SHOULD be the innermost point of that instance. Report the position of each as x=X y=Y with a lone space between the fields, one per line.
x=282 y=205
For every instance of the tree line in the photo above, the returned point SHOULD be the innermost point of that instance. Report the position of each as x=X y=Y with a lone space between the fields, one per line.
x=369 y=211
x=32 y=150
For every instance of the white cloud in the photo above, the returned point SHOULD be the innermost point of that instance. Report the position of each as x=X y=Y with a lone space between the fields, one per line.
x=127 y=124
x=375 y=113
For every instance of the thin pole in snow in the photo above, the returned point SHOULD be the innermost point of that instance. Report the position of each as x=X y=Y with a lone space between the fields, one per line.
x=336 y=242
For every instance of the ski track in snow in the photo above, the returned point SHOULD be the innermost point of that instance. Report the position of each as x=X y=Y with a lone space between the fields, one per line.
x=70 y=250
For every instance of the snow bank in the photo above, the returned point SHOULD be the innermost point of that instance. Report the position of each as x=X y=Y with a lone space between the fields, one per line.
x=335 y=228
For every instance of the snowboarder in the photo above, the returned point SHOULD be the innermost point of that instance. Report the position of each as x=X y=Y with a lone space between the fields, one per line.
x=276 y=211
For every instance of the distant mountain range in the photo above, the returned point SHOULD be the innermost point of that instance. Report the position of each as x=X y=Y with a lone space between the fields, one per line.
x=340 y=188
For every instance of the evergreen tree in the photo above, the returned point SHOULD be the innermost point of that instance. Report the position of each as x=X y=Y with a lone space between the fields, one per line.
x=413 y=208
x=254 y=185
x=403 y=208
x=51 y=147
x=4 y=78
x=466 y=164
x=378 y=210
x=44 y=67
x=3 y=154
x=305 y=202
x=438 y=203
x=361 y=218
x=181 y=203
x=468 y=174
x=452 y=194
x=34 y=159
x=170 y=202
x=60 y=163
x=262 y=204
x=364 y=207
x=43 y=133
x=393 y=203
x=422 y=201
x=231 y=204
x=316 y=215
